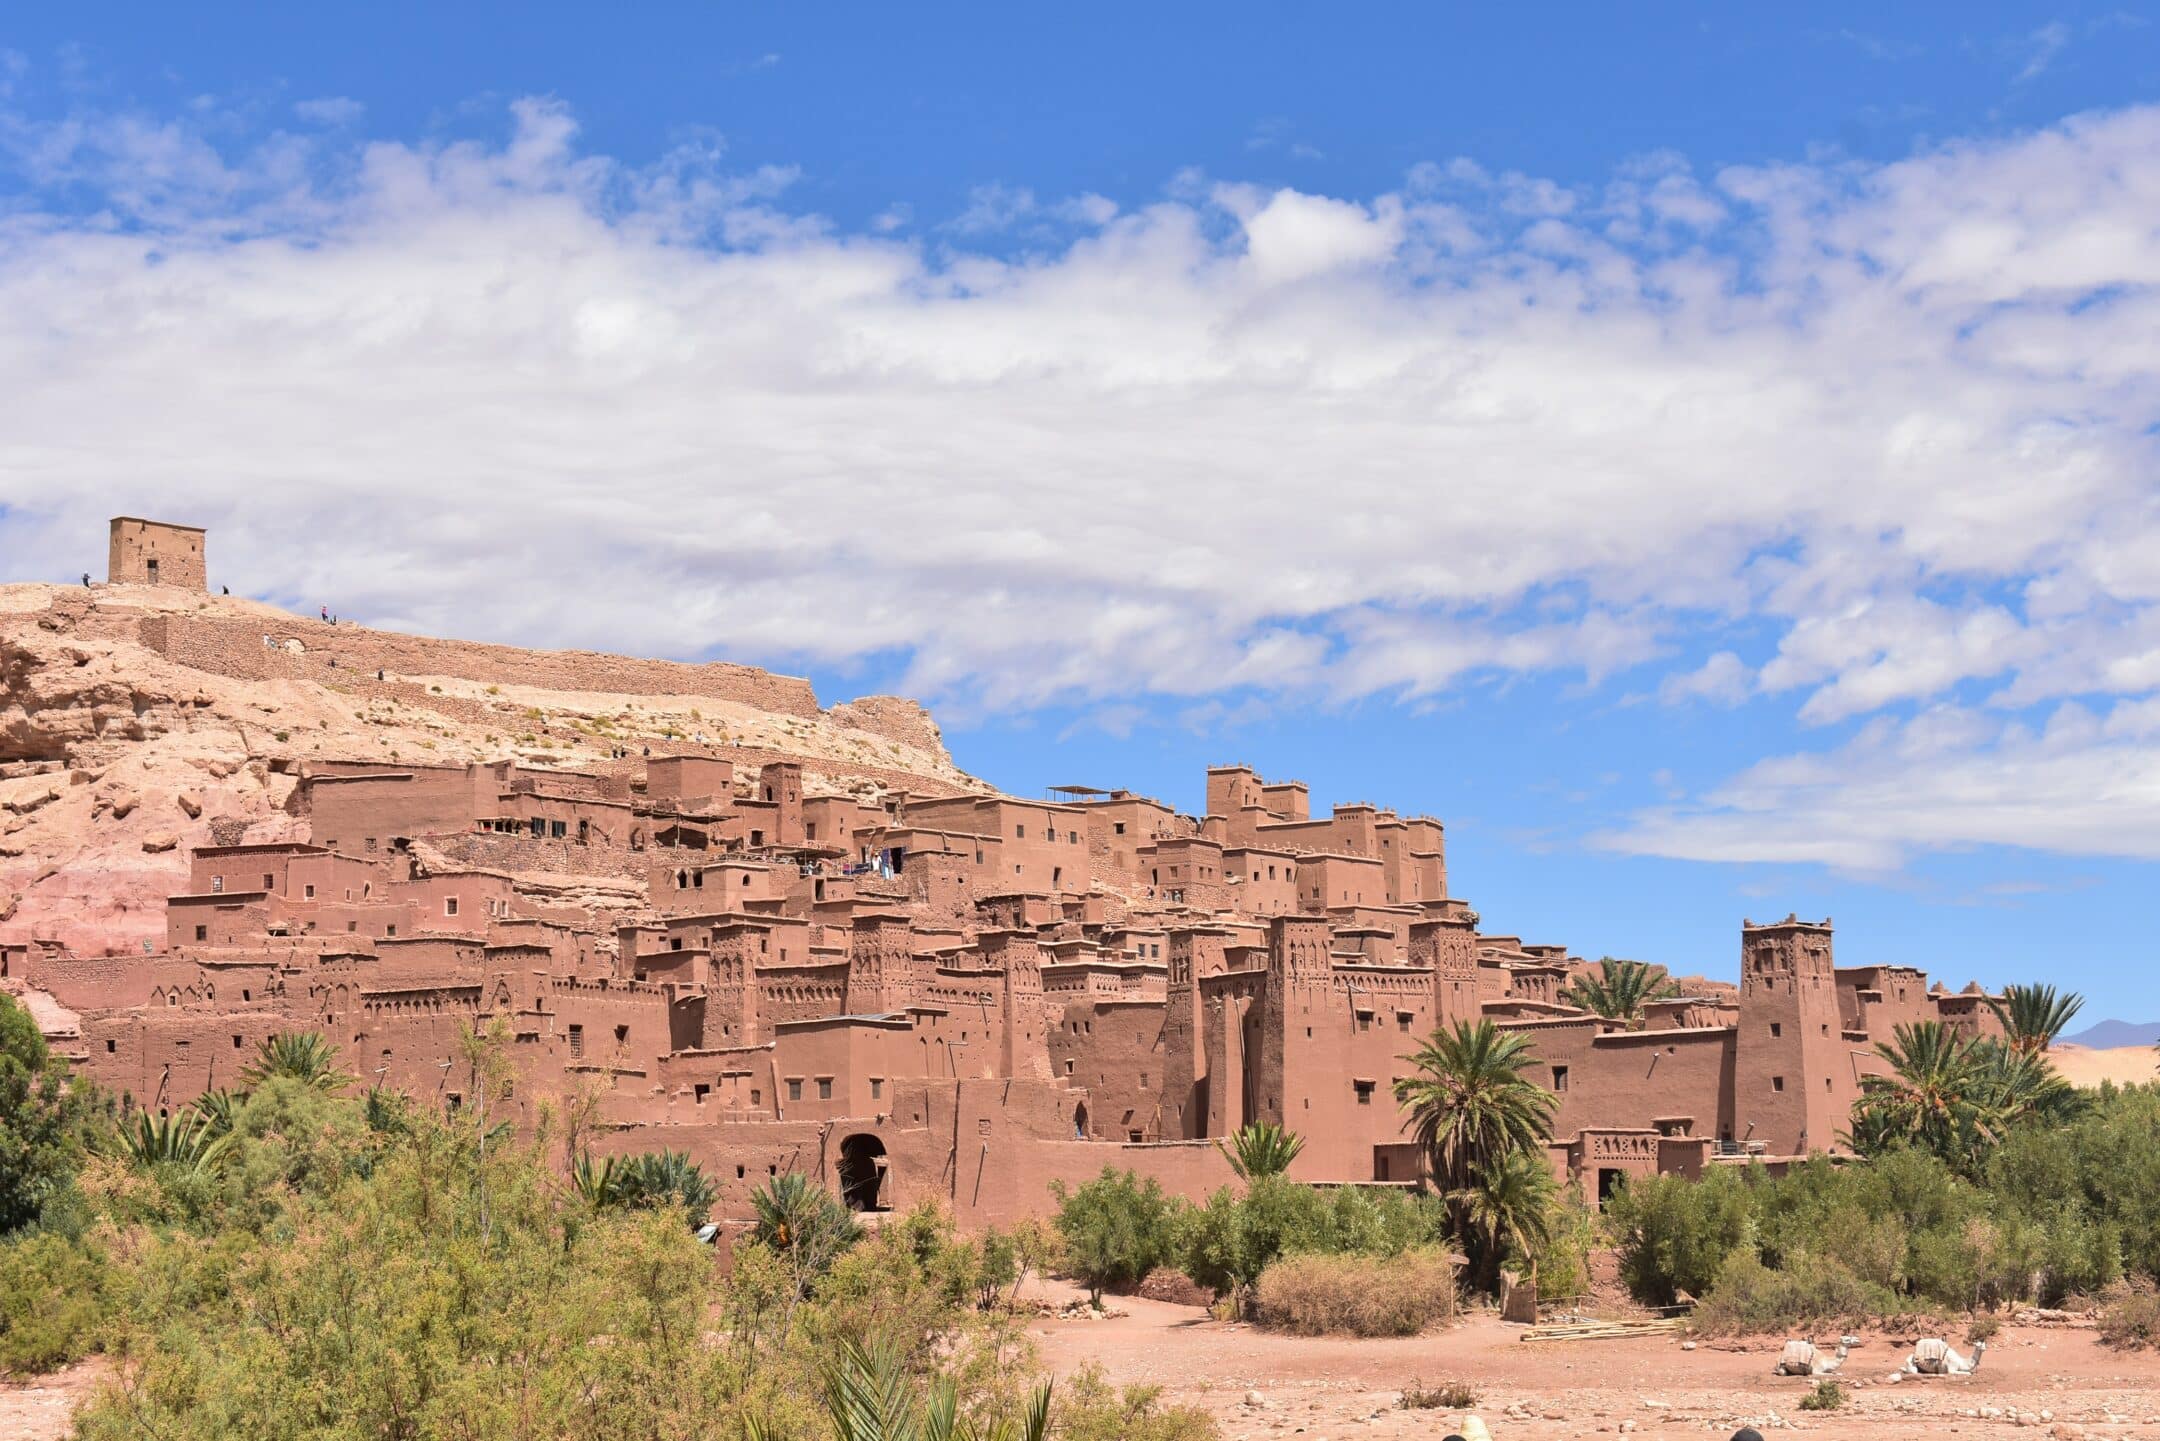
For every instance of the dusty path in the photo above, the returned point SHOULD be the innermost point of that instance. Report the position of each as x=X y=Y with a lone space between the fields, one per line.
x=1559 y=1391
x=42 y=1410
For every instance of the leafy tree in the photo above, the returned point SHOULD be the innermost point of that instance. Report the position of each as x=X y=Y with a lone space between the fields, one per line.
x=44 y=1121
x=1116 y=1228
x=1674 y=1235
x=301 y=1056
x=2033 y=1016
x=1261 y=1148
x=1620 y=989
x=1472 y=1106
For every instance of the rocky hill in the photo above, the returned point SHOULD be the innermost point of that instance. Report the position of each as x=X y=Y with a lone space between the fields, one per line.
x=136 y=721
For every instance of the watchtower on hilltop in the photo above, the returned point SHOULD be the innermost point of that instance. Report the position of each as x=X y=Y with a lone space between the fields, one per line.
x=156 y=552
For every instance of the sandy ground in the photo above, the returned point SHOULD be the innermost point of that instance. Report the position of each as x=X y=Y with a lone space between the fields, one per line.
x=2126 y=1065
x=41 y=1410
x=1262 y=1385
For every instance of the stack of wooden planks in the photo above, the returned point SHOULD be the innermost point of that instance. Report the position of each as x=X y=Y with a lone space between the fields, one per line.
x=1586 y=1329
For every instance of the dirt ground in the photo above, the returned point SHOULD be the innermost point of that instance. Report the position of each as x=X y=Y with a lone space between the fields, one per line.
x=40 y=1410
x=1262 y=1385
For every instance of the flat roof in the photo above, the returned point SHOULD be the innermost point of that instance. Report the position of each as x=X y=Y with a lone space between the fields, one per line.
x=164 y=524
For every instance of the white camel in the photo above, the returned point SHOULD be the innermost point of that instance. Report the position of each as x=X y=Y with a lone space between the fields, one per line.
x=1932 y=1356
x=1800 y=1358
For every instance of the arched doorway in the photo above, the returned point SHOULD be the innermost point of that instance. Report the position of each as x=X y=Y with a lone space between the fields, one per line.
x=1080 y=1126
x=862 y=1173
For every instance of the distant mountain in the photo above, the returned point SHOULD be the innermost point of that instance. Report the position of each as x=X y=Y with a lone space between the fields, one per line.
x=2108 y=1035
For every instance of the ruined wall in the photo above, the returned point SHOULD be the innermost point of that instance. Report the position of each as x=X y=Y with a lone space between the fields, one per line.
x=235 y=648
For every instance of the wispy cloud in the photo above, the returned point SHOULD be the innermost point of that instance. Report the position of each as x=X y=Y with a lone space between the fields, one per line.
x=2041 y=48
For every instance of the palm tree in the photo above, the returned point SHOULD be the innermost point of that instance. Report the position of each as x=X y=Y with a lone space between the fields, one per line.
x=1261 y=1149
x=1508 y=1209
x=1471 y=1106
x=1620 y=989
x=1937 y=1094
x=801 y=1221
x=2033 y=1016
x=220 y=1109
x=184 y=1139
x=657 y=1178
x=2023 y=1085
x=870 y=1397
x=302 y=1056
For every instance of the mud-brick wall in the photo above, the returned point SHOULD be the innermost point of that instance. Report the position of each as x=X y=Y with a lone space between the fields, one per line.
x=235 y=648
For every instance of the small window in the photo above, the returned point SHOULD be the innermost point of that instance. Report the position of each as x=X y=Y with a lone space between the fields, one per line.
x=269 y=881
x=1364 y=1091
x=1776 y=1030
x=577 y=1041
x=1777 y=1083
x=109 y=1048
x=824 y=1088
x=877 y=1088
x=1121 y=828
x=217 y=883
x=1020 y=832
x=449 y=905
x=202 y=933
x=702 y=1091
x=757 y=1096
x=308 y=893
x=794 y=1089
x=236 y=1043
x=1559 y=1078
x=622 y=1035
x=391 y=930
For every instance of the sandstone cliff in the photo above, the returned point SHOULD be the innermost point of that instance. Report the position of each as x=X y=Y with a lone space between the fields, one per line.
x=138 y=721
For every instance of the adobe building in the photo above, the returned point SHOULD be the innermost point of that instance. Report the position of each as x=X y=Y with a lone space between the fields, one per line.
x=155 y=552
x=955 y=997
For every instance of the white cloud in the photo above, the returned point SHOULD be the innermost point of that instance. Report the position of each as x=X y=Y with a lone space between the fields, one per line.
x=1723 y=679
x=330 y=110
x=1947 y=779
x=1244 y=440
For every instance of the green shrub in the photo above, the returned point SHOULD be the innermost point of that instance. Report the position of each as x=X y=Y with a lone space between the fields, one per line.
x=1319 y=1295
x=1447 y=1396
x=1749 y=1298
x=2132 y=1323
x=53 y=1300
x=1827 y=1396
x=1116 y=1228
x=1085 y=1407
x=1674 y=1234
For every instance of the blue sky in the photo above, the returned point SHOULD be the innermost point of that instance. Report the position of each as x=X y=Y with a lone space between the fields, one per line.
x=1705 y=455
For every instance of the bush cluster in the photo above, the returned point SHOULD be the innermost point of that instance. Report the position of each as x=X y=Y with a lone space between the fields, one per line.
x=1117 y=1228
x=2052 y=1210
x=359 y=1267
x=1353 y=1295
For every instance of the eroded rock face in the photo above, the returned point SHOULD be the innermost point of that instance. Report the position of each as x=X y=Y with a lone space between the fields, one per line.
x=137 y=723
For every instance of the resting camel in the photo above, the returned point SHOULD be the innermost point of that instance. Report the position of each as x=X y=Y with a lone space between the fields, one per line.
x=1932 y=1356
x=1800 y=1358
